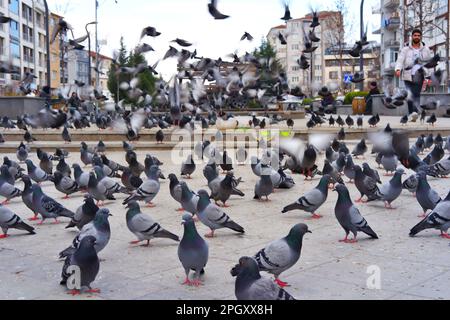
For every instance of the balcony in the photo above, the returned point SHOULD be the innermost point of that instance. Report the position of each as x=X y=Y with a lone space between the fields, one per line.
x=392 y=23
x=376 y=9
x=28 y=58
x=392 y=44
x=391 y=4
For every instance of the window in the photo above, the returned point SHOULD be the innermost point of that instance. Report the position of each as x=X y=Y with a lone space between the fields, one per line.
x=27 y=12
x=295 y=68
x=295 y=79
x=2 y=46
x=333 y=75
x=14 y=29
x=15 y=49
x=39 y=20
x=28 y=54
x=317 y=67
x=27 y=33
x=295 y=47
x=14 y=6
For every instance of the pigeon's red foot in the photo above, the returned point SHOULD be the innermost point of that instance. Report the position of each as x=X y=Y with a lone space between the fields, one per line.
x=210 y=234
x=151 y=205
x=316 y=216
x=180 y=210
x=34 y=218
x=422 y=215
x=74 y=292
x=197 y=283
x=445 y=235
x=3 y=236
x=56 y=222
x=358 y=200
x=93 y=291
x=282 y=284
x=187 y=282
x=5 y=202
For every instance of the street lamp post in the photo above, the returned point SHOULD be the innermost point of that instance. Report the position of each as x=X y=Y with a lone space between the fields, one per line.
x=361 y=57
x=47 y=30
x=89 y=51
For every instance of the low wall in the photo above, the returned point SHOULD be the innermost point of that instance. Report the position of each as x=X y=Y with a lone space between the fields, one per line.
x=15 y=106
x=425 y=98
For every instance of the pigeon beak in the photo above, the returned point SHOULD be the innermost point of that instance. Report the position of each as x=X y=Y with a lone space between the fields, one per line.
x=110 y=215
x=309 y=231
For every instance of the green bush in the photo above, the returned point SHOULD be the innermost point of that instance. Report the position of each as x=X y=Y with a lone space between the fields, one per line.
x=351 y=95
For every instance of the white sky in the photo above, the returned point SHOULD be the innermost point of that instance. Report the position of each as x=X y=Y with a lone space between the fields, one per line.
x=190 y=20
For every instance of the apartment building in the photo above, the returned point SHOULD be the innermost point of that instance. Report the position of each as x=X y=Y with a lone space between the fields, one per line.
x=23 y=40
x=295 y=32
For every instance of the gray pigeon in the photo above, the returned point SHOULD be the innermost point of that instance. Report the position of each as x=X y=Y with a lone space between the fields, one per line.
x=27 y=196
x=392 y=189
x=144 y=227
x=22 y=154
x=9 y=220
x=110 y=184
x=84 y=214
x=411 y=184
x=360 y=149
x=250 y=285
x=64 y=184
x=175 y=189
x=7 y=190
x=389 y=161
x=349 y=216
x=98 y=228
x=46 y=163
x=264 y=186
x=86 y=259
x=441 y=168
x=189 y=200
x=188 y=167
x=213 y=217
x=193 y=251
x=148 y=189
x=280 y=255
x=349 y=169
x=219 y=190
x=312 y=200
x=439 y=219
x=82 y=178
x=427 y=197
x=97 y=190
x=47 y=207
x=366 y=186
x=36 y=174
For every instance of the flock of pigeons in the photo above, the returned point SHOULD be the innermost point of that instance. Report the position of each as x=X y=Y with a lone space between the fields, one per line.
x=391 y=147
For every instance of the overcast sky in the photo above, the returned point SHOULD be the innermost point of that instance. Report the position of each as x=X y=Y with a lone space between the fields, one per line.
x=190 y=20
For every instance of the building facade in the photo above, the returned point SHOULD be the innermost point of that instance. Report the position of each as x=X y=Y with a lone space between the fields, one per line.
x=350 y=65
x=295 y=32
x=23 y=40
x=399 y=18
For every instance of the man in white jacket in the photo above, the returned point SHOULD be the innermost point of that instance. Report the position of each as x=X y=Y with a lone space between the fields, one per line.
x=404 y=67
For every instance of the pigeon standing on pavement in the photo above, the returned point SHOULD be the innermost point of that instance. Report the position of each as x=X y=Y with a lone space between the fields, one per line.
x=439 y=219
x=81 y=178
x=264 y=187
x=98 y=228
x=7 y=190
x=349 y=216
x=367 y=186
x=360 y=149
x=312 y=200
x=47 y=207
x=10 y=220
x=280 y=255
x=426 y=197
x=392 y=189
x=144 y=227
x=193 y=251
x=22 y=154
x=66 y=135
x=188 y=167
x=84 y=214
x=36 y=174
x=250 y=285
x=64 y=184
x=86 y=259
x=148 y=189
x=189 y=200
x=213 y=217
